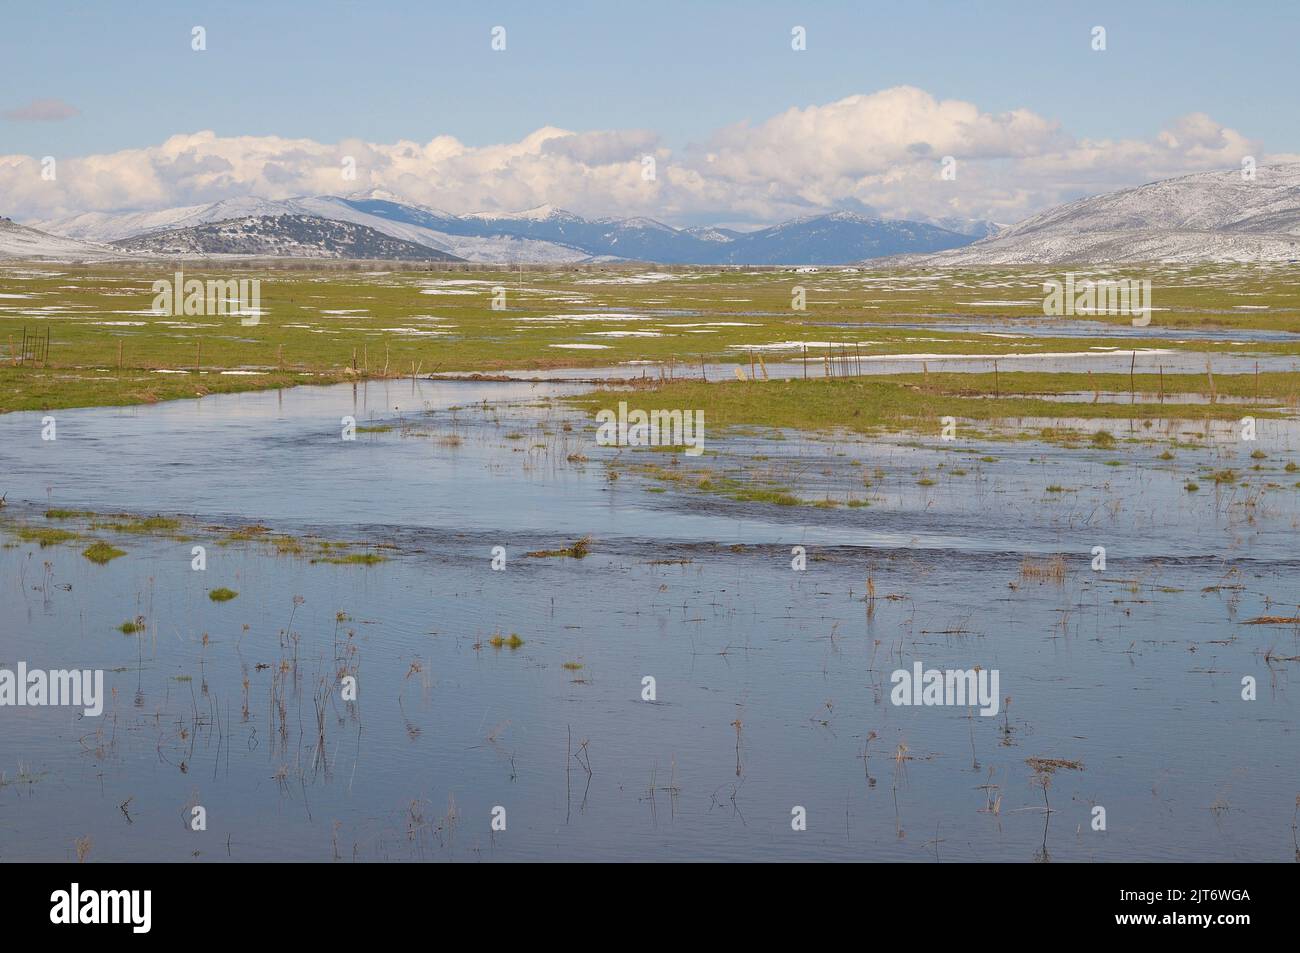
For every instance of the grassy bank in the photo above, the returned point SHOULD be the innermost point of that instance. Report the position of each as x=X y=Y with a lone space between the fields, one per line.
x=866 y=405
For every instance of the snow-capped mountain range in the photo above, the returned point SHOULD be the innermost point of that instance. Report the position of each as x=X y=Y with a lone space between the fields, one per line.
x=1209 y=216
x=545 y=234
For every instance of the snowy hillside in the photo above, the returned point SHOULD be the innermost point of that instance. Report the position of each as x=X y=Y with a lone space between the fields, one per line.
x=1209 y=216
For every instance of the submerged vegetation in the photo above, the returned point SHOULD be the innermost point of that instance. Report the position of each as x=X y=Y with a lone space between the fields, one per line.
x=578 y=550
x=353 y=559
x=334 y=552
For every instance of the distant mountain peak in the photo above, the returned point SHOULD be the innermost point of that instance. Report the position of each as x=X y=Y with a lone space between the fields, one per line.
x=375 y=195
x=638 y=222
x=538 y=213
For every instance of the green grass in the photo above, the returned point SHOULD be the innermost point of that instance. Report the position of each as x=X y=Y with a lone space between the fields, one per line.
x=1275 y=386
x=741 y=491
x=141 y=526
x=298 y=342
x=101 y=552
x=44 y=535
x=874 y=404
x=512 y=641
x=131 y=627
x=353 y=559
x=222 y=594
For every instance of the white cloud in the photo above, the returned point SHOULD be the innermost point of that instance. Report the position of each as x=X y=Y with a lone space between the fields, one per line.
x=878 y=153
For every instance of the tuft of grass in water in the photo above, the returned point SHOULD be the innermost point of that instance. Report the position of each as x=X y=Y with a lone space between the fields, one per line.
x=287 y=546
x=1192 y=487
x=374 y=428
x=142 y=526
x=578 y=550
x=353 y=559
x=742 y=493
x=500 y=641
x=100 y=552
x=1224 y=476
x=44 y=535
x=245 y=534
x=1104 y=439
x=131 y=626
x=67 y=514
x=572 y=666
x=1044 y=570
x=222 y=594
x=1051 y=765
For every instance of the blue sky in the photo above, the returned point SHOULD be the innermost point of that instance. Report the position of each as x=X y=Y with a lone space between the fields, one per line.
x=386 y=71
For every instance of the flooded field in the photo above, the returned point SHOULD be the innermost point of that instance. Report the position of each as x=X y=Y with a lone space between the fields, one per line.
x=770 y=588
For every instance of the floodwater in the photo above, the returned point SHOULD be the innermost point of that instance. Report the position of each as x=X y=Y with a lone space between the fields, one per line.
x=772 y=686
x=836 y=361
x=1061 y=328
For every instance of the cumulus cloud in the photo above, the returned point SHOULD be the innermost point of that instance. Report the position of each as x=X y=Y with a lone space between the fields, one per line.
x=41 y=110
x=879 y=153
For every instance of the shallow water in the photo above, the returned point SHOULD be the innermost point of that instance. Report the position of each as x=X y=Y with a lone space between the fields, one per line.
x=1135 y=671
x=1063 y=328
x=779 y=367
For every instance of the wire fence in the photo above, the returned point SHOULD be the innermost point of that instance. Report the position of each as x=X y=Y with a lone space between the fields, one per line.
x=35 y=347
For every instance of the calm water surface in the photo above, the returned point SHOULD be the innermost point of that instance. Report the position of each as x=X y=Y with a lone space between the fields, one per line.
x=769 y=682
